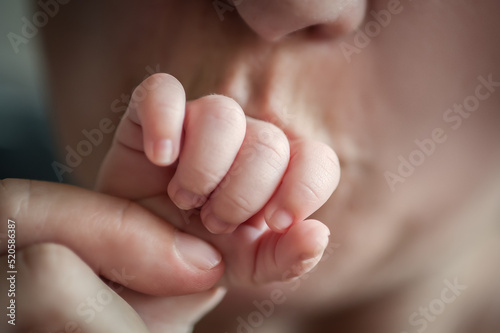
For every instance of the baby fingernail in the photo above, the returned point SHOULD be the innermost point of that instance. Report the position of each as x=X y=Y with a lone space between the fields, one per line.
x=281 y=220
x=306 y=265
x=163 y=151
x=216 y=226
x=196 y=252
x=185 y=199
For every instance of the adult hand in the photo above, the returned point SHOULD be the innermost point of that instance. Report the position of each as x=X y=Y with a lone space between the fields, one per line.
x=67 y=237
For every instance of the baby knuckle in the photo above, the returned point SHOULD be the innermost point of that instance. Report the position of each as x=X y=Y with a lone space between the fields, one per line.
x=225 y=109
x=157 y=79
x=242 y=204
x=154 y=82
x=330 y=164
x=273 y=140
x=202 y=180
x=310 y=191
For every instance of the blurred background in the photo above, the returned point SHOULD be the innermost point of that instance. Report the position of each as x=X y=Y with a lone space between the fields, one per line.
x=25 y=141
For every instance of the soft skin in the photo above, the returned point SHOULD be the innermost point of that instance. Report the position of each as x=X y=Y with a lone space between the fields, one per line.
x=238 y=171
x=288 y=68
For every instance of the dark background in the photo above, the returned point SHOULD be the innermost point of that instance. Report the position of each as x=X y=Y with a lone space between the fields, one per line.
x=25 y=140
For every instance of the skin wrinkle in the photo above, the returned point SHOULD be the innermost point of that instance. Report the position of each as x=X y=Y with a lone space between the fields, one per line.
x=19 y=202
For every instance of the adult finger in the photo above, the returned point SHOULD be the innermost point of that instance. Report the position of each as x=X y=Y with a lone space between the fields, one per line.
x=176 y=314
x=55 y=291
x=114 y=236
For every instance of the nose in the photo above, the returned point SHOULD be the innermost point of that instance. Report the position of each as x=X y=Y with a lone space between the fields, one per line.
x=274 y=19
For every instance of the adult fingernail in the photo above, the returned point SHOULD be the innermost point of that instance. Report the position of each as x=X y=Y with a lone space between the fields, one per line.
x=185 y=199
x=281 y=220
x=196 y=252
x=164 y=151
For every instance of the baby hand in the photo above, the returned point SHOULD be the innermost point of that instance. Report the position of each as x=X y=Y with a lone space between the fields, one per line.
x=243 y=174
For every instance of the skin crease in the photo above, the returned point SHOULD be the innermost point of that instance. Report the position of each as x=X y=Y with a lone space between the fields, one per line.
x=392 y=245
